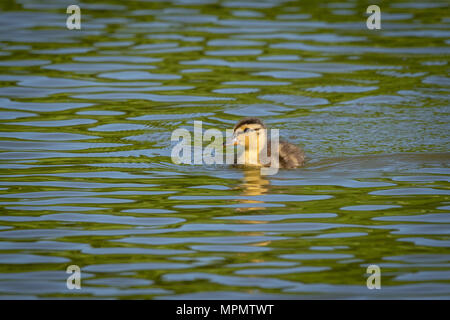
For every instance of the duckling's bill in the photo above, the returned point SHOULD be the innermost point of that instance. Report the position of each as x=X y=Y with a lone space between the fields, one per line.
x=231 y=142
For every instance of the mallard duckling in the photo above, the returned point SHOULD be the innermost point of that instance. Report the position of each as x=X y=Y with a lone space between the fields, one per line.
x=251 y=133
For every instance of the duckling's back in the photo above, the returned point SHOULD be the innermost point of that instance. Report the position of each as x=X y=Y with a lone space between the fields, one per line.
x=290 y=156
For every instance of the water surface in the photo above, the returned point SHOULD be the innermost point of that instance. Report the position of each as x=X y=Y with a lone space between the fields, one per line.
x=87 y=179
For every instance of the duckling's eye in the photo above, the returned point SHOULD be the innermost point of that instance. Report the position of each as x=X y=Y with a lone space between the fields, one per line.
x=246 y=130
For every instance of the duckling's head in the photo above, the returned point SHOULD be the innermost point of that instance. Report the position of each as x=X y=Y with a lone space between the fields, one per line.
x=250 y=133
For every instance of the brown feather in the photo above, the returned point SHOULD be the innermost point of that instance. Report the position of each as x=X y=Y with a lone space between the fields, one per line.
x=289 y=155
x=248 y=121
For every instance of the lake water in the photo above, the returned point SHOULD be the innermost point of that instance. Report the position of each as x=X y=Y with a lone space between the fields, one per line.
x=87 y=178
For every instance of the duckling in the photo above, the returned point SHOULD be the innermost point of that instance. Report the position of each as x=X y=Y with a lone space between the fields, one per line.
x=290 y=156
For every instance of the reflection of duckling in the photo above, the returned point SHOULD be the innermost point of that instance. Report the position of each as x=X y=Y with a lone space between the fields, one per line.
x=254 y=184
x=251 y=133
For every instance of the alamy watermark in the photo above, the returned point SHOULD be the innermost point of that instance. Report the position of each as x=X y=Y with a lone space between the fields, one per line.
x=74 y=280
x=374 y=20
x=74 y=20
x=374 y=280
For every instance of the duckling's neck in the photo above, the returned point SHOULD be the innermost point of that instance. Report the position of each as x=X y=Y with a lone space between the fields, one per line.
x=251 y=154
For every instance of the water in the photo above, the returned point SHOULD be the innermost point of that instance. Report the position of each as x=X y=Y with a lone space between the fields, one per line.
x=86 y=175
